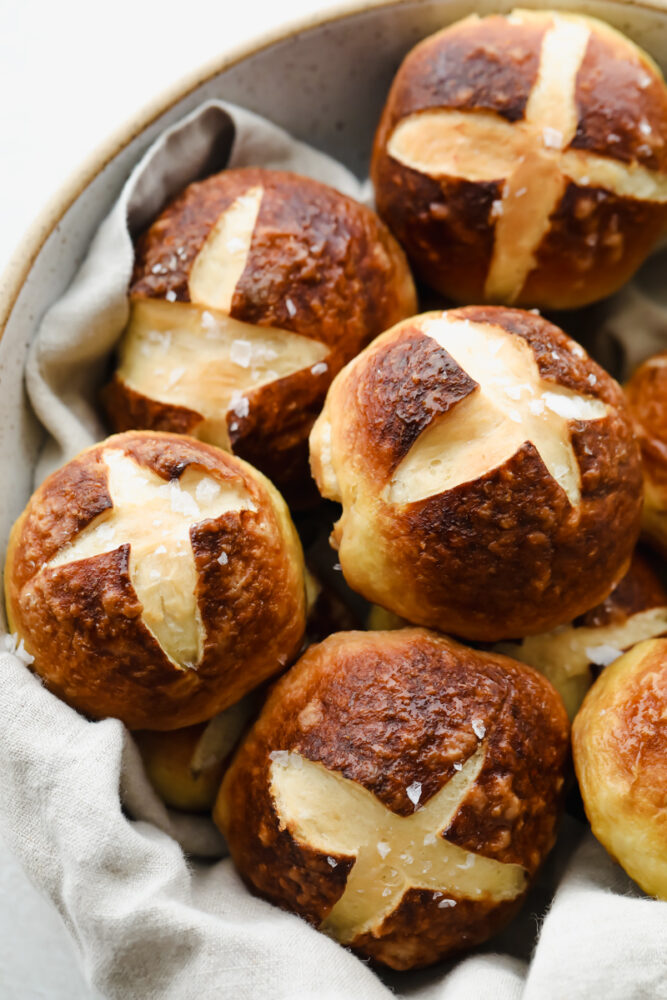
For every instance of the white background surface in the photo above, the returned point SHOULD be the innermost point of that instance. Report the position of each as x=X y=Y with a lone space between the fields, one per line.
x=72 y=72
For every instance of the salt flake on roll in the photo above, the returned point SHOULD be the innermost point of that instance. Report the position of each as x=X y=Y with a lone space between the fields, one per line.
x=489 y=488
x=114 y=581
x=521 y=159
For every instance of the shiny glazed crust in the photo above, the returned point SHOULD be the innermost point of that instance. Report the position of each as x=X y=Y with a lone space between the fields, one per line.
x=647 y=398
x=415 y=696
x=504 y=555
x=596 y=237
x=320 y=265
x=619 y=742
x=82 y=621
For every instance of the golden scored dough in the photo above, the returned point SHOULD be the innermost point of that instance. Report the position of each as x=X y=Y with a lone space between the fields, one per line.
x=411 y=827
x=250 y=291
x=156 y=579
x=530 y=147
x=487 y=470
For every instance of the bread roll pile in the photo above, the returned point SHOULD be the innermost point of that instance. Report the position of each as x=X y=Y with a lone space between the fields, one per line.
x=380 y=729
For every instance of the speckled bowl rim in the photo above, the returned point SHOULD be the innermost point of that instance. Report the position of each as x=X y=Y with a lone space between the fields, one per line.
x=17 y=270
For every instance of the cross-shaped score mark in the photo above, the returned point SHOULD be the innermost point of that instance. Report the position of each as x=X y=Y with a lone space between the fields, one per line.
x=392 y=853
x=155 y=517
x=530 y=156
x=512 y=405
x=195 y=354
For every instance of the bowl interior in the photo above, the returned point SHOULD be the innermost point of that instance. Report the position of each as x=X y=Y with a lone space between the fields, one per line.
x=325 y=84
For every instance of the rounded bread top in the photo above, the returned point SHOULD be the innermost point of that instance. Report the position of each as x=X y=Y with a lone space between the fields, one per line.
x=170 y=567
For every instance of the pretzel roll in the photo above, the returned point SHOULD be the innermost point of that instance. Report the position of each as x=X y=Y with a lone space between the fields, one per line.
x=619 y=740
x=489 y=477
x=647 y=397
x=522 y=159
x=185 y=766
x=411 y=827
x=155 y=579
x=250 y=291
x=569 y=656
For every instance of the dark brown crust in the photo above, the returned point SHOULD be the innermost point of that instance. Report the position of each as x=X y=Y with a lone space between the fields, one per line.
x=329 y=255
x=488 y=64
x=609 y=94
x=646 y=393
x=412 y=382
x=415 y=696
x=82 y=621
x=437 y=221
x=321 y=265
x=596 y=240
x=274 y=435
x=640 y=590
x=127 y=410
x=505 y=555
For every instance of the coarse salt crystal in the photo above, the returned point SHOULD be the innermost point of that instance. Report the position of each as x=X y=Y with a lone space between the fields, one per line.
x=444 y=904
x=584 y=181
x=338 y=567
x=592 y=379
x=280 y=757
x=240 y=406
x=223 y=558
x=479 y=728
x=332 y=862
x=458 y=766
x=603 y=655
x=319 y=368
x=612 y=137
x=291 y=308
x=207 y=490
x=578 y=350
x=386 y=892
x=175 y=376
x=383 y=848
x=160 y=550
x=208 y=320
x=171 y=295
x=496 y=209
x=552 y=137
x=414 y=792
x=644 y=80
x=181 y=502
x=241 y=353
x=536 y=406
x=520 y=193
x=429 y=839
x=645 y=127
x=468 y=863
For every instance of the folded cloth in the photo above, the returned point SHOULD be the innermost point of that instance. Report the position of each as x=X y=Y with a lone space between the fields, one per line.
x=154 y=907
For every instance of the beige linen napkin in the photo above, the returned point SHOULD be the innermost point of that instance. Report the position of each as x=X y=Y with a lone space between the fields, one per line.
x=75 y=806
